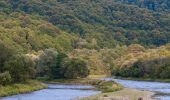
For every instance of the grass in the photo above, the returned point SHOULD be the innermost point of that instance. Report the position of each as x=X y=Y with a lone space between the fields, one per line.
x=98 y=76
x=13 y=89
x=101 y=85
x=108 y=86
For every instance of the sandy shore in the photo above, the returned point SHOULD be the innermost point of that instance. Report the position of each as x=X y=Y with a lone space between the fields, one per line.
x=125 y=94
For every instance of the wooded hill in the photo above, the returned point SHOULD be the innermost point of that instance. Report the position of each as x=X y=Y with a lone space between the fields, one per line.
x=75 y=38
x=155 y=5
x=107 y=21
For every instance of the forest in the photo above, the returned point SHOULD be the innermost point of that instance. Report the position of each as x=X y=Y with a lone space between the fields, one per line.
x=69 y=39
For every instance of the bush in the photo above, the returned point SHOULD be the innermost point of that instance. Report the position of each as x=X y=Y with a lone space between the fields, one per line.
x=20 y=68
x=75 y=68
x=47 y=60
x=56 y=70
x=5 y=78
x=5 y=52
x=108 y=86
x=147 y=68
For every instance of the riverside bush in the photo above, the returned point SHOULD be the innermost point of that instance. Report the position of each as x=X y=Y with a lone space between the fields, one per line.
x=5 y=78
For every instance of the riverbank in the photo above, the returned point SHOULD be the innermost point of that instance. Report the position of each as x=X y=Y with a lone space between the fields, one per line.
x=110 y=90
x=145 y=79
x=101 y=85
x=19 y=88
x=124 y=94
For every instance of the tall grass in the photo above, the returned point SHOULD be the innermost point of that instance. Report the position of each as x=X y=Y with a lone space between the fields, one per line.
x=17 y=88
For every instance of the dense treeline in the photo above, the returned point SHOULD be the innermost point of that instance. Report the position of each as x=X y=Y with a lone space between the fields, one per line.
x=156 y=5
x=153 y=68
x=24 y=33
x=151 y=63
x=108 y=21
x=100 y=62
x=51 y=64
x=47 y=64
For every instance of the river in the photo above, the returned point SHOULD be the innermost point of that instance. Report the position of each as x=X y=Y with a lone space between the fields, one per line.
x=161 y=89
x=57 y=92
x=70 y=92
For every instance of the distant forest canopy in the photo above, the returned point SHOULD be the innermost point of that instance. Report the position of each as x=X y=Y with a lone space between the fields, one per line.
x=156 y=5
x=107 y=21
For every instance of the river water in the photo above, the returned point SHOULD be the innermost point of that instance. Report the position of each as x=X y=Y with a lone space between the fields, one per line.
x=162 y=89
x=71 y=92
x=57 y=92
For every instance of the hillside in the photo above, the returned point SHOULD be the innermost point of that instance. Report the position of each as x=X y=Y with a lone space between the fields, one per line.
x=24 y=33
x=51 y=39
x=146 y=63
x=107 y=21
x=155 y=5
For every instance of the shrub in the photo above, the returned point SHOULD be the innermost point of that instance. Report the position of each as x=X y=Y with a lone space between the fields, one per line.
x=47 y=60
x=56 y=70
x=75 y=68
x=5 y=52
x=5 y=78
x=20 y=68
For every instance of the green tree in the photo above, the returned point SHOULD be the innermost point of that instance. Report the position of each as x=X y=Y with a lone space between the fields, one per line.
x=56 y=70
x=5 y=53
x=5 y=78
x=47 y=60
x=75 y=68
x=20 y=68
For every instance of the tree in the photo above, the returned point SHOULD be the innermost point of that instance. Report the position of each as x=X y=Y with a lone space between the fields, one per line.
x=135 y=48
x=47 y=60
x=5 y=78
x=5 y=53
x=75 y=68
x=56 y=70
x=20 y=68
